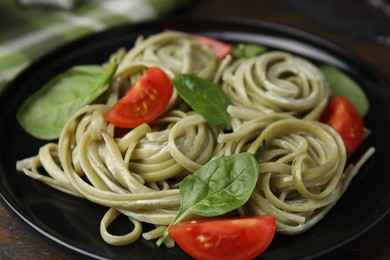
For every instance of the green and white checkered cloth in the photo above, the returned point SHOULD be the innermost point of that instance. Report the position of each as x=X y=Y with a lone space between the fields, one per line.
x=27 y=33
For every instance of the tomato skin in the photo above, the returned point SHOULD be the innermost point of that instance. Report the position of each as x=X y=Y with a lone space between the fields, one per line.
x=240 y=238
x=342 y=116
x=144 y=102
x=220 y=48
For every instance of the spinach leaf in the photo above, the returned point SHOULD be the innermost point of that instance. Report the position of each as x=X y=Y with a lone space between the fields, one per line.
x=204 y=97
x=218 y=187
x=342 y=85
x=247 y=50
x=44 y=113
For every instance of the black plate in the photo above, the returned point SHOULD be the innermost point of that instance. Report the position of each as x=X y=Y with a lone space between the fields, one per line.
x=74 y=223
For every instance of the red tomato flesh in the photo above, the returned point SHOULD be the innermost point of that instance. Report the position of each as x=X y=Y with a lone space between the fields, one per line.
x=232 y=238
x=342 y=116
x=144 y=102
x=220 y=48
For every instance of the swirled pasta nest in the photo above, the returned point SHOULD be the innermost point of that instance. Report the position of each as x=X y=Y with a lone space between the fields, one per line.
x=277 y=82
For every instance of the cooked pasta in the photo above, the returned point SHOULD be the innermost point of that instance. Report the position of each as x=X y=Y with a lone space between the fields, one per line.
x=179 y=52
x=277 y=82
x=276 y=100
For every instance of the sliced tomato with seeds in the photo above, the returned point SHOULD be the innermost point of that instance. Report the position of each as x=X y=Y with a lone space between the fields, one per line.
x=221 y=49
x=144 y=102
x=232 y=238
x=342 y=116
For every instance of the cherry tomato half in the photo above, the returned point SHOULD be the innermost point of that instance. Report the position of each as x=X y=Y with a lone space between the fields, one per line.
x=144 y=102
x=220 y=48
x=342 y=116
x=232 y=238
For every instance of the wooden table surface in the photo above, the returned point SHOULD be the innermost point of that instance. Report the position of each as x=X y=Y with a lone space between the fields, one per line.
x=18 y=241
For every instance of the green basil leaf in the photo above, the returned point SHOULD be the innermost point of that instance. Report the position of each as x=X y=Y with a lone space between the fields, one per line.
x=247 y=50
x=44 y=113
x=204 y=97
x=342 y=85
x=218 y=187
